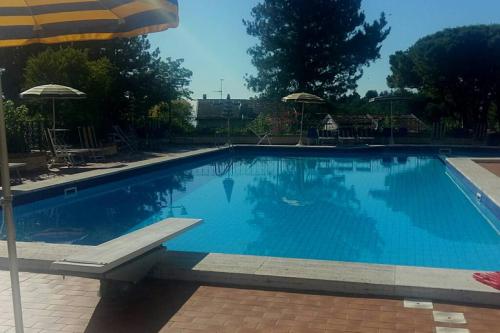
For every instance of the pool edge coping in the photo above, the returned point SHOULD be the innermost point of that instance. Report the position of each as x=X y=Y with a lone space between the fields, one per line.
x=86 y=176
x=307 y=275
x=480 y=183
x=295 y=275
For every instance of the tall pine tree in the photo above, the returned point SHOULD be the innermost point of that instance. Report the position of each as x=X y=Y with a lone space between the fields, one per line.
x=316 y=46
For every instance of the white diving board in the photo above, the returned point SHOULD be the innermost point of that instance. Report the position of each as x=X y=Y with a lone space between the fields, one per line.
x=125 y=251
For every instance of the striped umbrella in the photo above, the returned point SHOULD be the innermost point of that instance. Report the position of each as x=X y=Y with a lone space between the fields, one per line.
x=24 y=22
x=53 y=92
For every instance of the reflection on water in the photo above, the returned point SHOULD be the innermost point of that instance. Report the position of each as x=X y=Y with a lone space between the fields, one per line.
x=379 y=209
x=98 y=215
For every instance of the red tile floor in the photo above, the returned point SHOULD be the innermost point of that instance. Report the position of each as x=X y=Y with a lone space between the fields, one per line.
x=54 y=304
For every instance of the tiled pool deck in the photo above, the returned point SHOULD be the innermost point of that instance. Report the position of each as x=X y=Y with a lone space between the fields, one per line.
x=53 y=304
x=188 y=306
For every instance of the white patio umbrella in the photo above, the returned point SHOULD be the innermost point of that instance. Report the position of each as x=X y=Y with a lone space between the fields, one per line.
x=390 y=99
x=25 y=22
x=303 y=98
x=53 y=92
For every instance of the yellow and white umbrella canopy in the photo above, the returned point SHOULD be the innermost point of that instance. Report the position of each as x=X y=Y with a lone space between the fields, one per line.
x=24 y=22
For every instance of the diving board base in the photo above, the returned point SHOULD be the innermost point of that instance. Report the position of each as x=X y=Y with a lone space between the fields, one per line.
x=132 y=271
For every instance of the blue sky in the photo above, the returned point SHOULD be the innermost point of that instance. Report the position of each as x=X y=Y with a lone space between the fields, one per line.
x=213 y=41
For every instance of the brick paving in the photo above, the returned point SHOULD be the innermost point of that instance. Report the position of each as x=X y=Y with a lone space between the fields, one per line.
x=54 y=304
x=493 y=167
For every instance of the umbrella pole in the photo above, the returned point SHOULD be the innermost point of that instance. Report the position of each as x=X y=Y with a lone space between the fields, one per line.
x=53 y=114
x=8 y=217
x=301 y=124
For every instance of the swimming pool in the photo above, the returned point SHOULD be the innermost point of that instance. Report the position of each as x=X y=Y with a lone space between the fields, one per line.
x=388 y=208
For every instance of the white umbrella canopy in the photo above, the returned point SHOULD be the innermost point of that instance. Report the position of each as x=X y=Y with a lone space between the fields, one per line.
x=303 y=98
x=53 y=92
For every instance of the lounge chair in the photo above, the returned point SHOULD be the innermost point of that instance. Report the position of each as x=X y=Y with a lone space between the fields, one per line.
x=262 y=136
x=346 y=134
x=88 y=141
x=128 y=258
x=122 y=139
x=61 y=152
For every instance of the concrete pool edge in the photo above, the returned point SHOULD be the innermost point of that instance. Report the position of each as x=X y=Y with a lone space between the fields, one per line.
x=299 y=275
x=481 y=184
x=58 y=184
x=307 y=275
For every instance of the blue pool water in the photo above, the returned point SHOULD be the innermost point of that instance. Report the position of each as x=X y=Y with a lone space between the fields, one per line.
x=402 y=210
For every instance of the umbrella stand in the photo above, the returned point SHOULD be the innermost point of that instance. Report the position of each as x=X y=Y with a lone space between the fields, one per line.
x=301 y=124
x=8 y=217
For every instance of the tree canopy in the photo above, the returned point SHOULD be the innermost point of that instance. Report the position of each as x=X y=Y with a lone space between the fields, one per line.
x=458 y=69
x=317 y=46
x=123 y=78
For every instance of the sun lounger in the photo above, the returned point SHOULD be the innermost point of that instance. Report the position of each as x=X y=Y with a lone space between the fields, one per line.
x=122 y=139
x=127 y=258
x=88 y=141
x=61 y=152
x=262 y=136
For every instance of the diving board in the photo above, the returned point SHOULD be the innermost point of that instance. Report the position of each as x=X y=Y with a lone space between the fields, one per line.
x=127 y=251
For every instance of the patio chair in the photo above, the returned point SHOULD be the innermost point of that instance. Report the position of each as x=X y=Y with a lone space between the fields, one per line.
x=262 y=136
x=60 y=151
x=88 y=141
x=346 y=134
x=122 y=139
